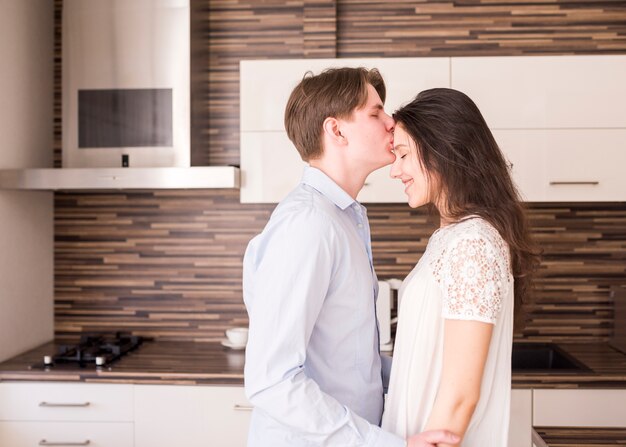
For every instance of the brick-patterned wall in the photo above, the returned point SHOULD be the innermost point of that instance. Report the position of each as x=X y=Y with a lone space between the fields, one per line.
x=168 y=264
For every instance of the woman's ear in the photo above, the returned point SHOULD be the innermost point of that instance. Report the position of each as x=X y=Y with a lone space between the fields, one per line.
x=332 y=130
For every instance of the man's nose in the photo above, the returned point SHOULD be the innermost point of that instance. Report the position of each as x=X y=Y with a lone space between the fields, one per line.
x=390 y=122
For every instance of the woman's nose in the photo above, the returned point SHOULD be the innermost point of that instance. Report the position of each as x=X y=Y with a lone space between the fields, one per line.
x=395 y=169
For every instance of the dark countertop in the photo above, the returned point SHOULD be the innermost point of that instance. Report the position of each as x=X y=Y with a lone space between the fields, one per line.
x=155 y=362
x=162 y=362
x=578 y=436
x=607 y=369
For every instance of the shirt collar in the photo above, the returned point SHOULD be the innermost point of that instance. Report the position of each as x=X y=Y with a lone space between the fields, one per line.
x=327 y=187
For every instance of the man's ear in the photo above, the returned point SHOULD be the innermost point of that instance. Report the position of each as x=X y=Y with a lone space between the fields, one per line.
x=332 y=130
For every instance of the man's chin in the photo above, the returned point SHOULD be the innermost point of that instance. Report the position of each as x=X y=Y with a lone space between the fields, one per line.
x=384 y=163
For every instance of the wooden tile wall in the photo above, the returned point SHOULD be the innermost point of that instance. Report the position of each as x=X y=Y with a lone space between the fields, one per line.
x=479 y=27
x=168 y=264
x=158 y=263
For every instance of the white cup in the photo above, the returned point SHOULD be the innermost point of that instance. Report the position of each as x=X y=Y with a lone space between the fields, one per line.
x=237 y=335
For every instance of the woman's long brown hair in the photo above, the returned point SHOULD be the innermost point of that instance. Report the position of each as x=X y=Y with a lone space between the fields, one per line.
x=458 y=151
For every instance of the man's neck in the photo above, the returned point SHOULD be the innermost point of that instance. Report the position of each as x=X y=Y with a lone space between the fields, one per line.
x=347 y=179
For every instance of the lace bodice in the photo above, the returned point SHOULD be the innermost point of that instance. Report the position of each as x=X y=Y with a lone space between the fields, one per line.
x=470 y=261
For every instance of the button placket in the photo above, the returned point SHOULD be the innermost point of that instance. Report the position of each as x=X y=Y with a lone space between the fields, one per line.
x=359 y=215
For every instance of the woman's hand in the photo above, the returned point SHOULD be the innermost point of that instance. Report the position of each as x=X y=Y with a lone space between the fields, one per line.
x=432 y=438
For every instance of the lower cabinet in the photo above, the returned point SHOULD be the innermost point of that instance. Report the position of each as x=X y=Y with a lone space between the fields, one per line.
x=112 y=415
x=191 y=416
x=579 y=408
x=521 y=421
x=563 y=408
x=92 y=434
x=63 y=414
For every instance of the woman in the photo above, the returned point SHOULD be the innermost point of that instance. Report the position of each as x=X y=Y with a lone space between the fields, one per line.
x=452 y=358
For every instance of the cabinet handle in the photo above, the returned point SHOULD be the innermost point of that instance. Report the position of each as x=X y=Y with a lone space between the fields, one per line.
x=242 y=407
x=574 y=183
x=62 y=404
x=44 y=442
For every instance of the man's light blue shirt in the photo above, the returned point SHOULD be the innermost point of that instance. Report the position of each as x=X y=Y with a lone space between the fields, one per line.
x=313 y=366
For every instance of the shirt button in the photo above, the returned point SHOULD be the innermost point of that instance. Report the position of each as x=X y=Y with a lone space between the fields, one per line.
x=359 y=225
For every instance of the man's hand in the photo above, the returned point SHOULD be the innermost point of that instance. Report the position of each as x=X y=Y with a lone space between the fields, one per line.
x=432 y=438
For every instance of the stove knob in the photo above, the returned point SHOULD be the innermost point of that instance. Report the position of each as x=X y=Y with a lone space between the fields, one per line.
x=100 y=361
x=47 y=360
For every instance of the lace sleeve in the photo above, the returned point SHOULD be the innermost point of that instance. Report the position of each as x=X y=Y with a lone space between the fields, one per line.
x=474 y=278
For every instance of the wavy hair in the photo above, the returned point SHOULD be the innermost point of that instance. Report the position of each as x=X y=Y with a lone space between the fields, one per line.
x=456 y=148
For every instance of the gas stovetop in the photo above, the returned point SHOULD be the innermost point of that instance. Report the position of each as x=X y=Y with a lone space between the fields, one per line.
x=93 y=350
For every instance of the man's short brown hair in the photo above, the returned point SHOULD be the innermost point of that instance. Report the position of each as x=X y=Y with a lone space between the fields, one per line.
x=336 y=92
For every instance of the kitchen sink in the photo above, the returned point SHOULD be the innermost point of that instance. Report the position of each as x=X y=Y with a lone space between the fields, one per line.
x=543 y=357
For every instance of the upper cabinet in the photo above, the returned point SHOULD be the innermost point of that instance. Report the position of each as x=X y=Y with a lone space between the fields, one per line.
x=566 y=165
x=545 y=92
x=265 y=85
x=559 y=120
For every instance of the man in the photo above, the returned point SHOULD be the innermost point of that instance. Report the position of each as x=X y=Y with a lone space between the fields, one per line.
x=313 y=367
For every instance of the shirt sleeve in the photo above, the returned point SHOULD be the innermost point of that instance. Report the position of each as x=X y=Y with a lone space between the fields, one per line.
x=475 y=278
x=287 y=272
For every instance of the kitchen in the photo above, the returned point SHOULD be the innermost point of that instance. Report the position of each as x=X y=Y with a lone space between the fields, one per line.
x=166 y=263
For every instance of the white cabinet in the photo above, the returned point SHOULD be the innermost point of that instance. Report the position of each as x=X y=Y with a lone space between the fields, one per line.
x=521 y=422
x=561 y=120
x=112 y=415
x=93 y=434
x=265 y=85
x=191 y=416
x=545 y=92
x=566 y=164
x=563 y=408
x=33 y=413
x=579 y=408
x=36 y=401
x=586 y=165
x=270 y=164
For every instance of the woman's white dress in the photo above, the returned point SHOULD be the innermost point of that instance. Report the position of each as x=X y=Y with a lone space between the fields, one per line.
x=464 y=274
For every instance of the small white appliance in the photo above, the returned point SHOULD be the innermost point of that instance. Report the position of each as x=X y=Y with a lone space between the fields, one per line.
x=126 y=86
x=386 y=306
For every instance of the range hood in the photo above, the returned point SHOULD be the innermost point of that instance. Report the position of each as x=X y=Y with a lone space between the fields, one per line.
x=199 y=177
x=126 y=102
x=126 y=83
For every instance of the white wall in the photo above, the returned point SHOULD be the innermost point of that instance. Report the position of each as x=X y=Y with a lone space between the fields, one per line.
x=26 y=218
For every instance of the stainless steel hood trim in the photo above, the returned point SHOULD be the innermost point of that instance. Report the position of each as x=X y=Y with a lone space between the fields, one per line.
x=200 y=177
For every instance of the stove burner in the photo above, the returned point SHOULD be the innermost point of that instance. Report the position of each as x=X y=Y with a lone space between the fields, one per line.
x=99 y=349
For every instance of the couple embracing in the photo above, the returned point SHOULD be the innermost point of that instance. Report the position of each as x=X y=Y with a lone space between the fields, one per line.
x=313 y=369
